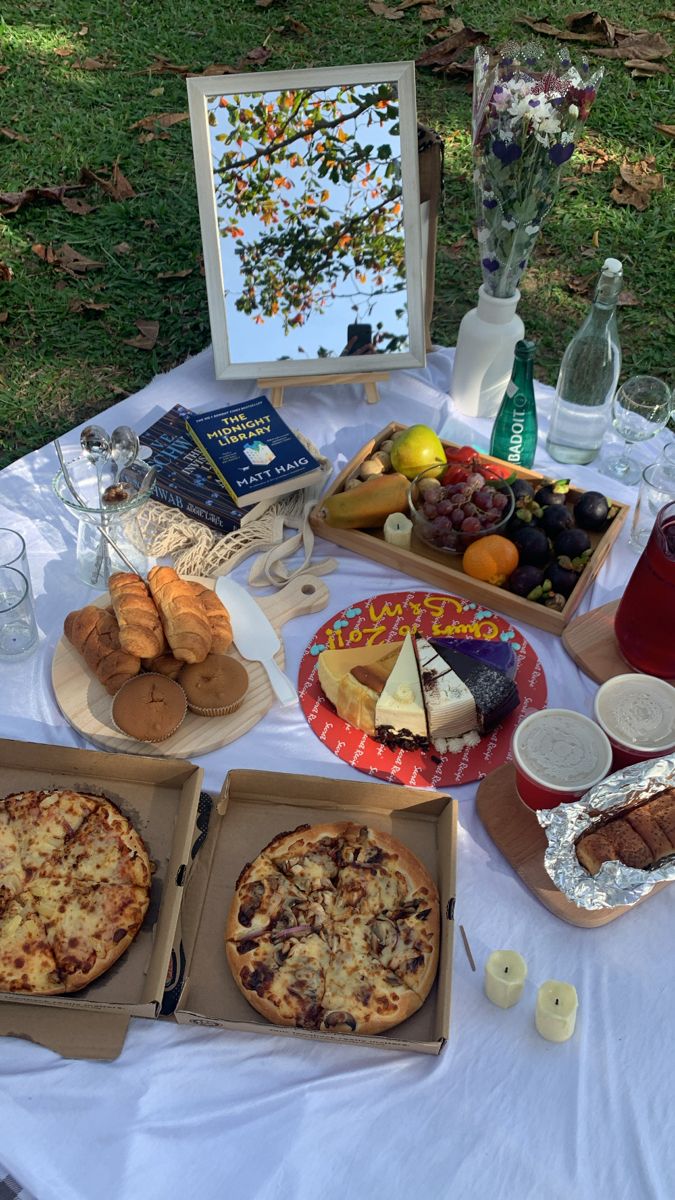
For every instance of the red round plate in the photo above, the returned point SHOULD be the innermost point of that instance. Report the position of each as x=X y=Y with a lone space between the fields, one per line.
x=387 y=618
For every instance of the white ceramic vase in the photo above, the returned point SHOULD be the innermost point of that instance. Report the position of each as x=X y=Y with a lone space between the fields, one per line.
x=484 y=356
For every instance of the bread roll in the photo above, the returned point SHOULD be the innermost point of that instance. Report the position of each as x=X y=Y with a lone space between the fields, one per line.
x=141 y=631
x=94 y=633
x=218 y=618
x=640 y=837
x=182 y=614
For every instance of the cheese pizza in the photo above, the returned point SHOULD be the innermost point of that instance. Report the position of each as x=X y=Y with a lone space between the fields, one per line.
x=74 y=889
x=334 y=927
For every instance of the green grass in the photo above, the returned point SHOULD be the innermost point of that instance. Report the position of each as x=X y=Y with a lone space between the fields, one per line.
x=60 y=367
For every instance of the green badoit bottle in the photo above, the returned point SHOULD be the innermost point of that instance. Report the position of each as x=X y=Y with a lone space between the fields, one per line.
x=514 y=433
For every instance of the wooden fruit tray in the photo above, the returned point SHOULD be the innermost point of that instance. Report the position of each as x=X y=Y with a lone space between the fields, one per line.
x=445 y=570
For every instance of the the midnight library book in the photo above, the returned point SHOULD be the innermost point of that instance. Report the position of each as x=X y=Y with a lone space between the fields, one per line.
x=252 y=451
x=184 y=480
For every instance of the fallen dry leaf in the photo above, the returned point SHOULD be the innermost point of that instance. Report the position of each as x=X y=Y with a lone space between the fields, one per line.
x=580 y=285
x=3 y=316
x=92 y=64
x=6 y=272
x=87 y=307
x=444 y=55
x=667 y=16
x=153 y=137
x=429 y=12
x=645 y=70
x=66 y=258
x=263 y=3
x=643 y=45
x=121 y=248
x=627 y=298
x=11 y=202
x=158 y=91
x=545 y=27
x=83 y=31
x=596 y=238
x=259 y=55
x=454 y=25
x=162 y=66
x=117 y=187
x=382 y=10
x=12 y=135
x=146 y=338
x=669 y=130
x=3 y=69
x=218 y=69
x=590 y=21
x=163 y=120
x=64 y=51
x=79 y=207
x=294 y=26
x=175 y=274
x=636 y=182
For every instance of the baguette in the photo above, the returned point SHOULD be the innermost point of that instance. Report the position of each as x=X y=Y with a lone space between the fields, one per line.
x=182 y=613
x=140 y=629
x=218 y=618
x=95 y=635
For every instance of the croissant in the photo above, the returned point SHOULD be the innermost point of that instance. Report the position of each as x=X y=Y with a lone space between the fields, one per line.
x=140 y=628
x=641 y=837
x=164 y=664
x=218 y=618
x=182 y=614
x=94 y=633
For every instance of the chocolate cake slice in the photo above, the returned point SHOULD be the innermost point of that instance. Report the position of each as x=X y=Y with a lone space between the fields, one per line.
x=499 y=655
x=495 y=694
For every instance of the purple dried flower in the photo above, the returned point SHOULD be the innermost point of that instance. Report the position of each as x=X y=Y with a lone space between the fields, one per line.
x=491 y=264
x=506 y=152
x=559 y=154
x=490 y=203
x=533 y=103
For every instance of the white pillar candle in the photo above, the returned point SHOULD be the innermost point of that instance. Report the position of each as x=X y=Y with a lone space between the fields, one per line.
x=556 y=1011
x=505 y=975
x=398 y=530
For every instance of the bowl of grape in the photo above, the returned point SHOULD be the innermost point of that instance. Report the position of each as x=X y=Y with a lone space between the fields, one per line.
x=451 y=516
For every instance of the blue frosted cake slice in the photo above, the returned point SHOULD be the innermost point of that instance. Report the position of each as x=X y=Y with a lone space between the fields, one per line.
x=464 y=697
x=497 y=654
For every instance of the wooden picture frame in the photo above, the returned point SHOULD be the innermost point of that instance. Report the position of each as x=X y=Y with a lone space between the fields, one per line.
x=247 y=333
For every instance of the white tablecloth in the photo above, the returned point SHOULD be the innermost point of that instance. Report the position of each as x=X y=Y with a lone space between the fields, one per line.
x=501 y=1113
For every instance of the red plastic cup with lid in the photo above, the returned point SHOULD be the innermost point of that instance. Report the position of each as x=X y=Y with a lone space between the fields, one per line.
x=558 y=755
x=637 y=712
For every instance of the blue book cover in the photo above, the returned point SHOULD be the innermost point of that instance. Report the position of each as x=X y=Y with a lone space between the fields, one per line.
x=252 y=450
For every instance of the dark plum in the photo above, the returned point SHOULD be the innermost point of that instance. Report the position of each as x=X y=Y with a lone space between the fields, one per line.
x=562 y=579
x=555 y=518
x=553 y=493
x=590 y=510
x=533 y=546
x=524 y=579
x=522 y=490
x=572 y=543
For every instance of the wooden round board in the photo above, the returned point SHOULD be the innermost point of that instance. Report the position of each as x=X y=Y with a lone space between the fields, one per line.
x=388 y=618
x=515 y=831
x=86 y=704
x=590 y=642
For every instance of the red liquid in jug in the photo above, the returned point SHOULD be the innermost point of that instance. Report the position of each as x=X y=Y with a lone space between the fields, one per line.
x=645 y=619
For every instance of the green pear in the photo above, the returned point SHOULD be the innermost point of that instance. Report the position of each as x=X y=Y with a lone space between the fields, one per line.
x=416 y=448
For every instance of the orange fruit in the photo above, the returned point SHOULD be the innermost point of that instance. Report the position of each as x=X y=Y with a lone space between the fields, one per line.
x=491 y=558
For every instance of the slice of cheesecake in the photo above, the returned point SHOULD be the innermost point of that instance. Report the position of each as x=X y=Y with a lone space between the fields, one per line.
x=400 y=717
x=450 y=706
x=353 y=680
x=495 y=695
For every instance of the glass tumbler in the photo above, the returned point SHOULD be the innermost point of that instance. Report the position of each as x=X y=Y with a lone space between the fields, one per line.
x=96 y=559
x=656 y=489
x=18 y=631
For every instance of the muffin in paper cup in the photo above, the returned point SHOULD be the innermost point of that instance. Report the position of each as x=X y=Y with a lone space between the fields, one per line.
x=215 y=687
x=615 y=883
x=149 y=708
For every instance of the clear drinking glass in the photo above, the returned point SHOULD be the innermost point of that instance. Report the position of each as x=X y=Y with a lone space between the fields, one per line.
x=656 y=489
x=96 y=559
x=18 y=631
x=640 y=408
x=13 y=553
x=665 y=465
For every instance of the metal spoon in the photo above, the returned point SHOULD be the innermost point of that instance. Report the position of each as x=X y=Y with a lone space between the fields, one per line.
x=124 y=448
x=79 y=499
x=95 y=443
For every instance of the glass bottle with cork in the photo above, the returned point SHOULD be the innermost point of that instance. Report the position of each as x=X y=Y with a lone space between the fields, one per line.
x=514 y=433
x=589 y=373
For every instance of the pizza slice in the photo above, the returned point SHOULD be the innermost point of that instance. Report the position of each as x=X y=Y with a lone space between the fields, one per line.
x=378 y=874
x=266 y=899
x=88 y=927
x=404 y=941
x=27 y=963
x=360 y=994
x=282 y=975
x=309 y=857
x=105 y=849
x=45 y=821
x=12 y=874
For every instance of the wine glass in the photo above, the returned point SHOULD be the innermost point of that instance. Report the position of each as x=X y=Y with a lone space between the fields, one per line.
x=640 y=409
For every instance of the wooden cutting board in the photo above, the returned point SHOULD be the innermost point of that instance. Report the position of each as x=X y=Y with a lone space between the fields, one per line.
x=86 y=704
x=590 y=641
x=515 y=831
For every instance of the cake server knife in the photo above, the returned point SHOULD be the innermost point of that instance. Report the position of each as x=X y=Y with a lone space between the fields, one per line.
x=254 y=636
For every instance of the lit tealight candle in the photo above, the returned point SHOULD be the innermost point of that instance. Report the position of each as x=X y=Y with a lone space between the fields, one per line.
x=398 y=530
x=556 y=1012
x=505 y=975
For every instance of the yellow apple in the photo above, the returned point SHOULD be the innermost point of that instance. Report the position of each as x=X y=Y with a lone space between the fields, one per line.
x=416 y=448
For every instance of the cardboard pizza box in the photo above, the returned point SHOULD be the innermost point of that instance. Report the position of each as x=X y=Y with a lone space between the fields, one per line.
x=161 y=797
x=253 y=807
